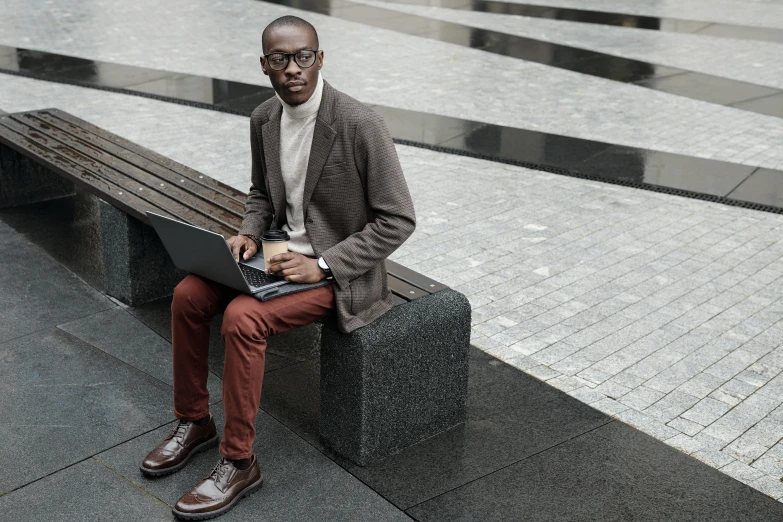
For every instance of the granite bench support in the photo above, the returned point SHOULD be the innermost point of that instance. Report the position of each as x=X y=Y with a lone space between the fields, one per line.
x=48 y=154
x=136 y=266
x=24 y=181
x=137 y=269
x=397 y=381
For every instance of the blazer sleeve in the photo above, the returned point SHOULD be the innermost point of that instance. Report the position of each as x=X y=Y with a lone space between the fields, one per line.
x=391 y=216
x=258 y=209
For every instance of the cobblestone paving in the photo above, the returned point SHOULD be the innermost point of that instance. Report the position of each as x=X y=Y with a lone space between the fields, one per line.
x=222 y=40
x=662 y=311
x=760 y=13
x=751 y=61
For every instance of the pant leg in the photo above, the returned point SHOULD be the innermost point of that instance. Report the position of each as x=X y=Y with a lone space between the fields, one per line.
x=247 y=322
x=196 y=301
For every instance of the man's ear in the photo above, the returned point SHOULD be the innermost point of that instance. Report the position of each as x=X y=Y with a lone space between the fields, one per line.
x=320 y=59
x=263 y=66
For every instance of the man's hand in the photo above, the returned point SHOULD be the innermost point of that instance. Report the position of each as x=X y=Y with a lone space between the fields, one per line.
x=238 y=244
x=296 y=268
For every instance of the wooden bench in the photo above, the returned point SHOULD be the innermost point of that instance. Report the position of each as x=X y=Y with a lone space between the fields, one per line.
x=386 y=386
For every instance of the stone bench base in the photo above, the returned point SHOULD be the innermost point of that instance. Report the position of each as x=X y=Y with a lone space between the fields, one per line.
x=397 y=381
x=136 y=267
x=23 y=181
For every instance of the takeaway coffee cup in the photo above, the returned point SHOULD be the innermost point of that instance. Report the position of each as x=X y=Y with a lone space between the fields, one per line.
x=274 y=242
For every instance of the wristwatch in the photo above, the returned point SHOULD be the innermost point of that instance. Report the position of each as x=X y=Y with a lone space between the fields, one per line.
x=323 y=266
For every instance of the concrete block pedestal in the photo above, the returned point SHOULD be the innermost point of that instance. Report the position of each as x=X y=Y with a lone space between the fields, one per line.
x=137 y=268
x=397 y=381
x=23 y=181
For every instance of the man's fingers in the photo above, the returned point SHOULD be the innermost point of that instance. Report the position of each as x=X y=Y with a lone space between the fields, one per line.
x=237 y=249
x=290 y=264
x=279 y=258
x=250 y=249
x=277 y=267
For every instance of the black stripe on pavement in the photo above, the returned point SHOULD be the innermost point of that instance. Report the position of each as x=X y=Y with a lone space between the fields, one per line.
x=590 y=16
x=711 y=180
x=694 y=85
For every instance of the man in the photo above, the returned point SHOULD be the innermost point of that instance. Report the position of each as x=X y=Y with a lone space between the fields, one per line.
x=324 y=169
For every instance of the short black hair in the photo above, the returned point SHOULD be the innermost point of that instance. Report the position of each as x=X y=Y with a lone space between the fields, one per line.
x=288 y=21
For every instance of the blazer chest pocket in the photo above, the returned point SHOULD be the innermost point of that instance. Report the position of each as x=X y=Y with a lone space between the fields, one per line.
x=334 y=169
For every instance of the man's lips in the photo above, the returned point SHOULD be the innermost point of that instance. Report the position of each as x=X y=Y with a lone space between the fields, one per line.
x=295 y=86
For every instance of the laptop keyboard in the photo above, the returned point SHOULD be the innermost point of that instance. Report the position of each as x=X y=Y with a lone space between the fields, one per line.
x=256 y=277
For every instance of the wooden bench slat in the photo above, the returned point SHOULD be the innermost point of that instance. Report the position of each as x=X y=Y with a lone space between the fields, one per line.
x=152 y=156
x=206 y=194
x=404 y=290
x=398 y=300
x=133 y=174
x=156 y=200
x=125 y=200
x=416 y=279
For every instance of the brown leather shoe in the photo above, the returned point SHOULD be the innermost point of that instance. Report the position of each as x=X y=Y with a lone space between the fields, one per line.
x=219 y=492
x=184 y=441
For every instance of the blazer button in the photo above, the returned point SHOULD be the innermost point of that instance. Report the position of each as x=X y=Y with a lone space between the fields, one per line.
x=310 y=221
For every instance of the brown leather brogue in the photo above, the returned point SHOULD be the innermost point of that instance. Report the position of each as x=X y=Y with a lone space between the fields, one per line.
x=184 y=441
x=219 y=492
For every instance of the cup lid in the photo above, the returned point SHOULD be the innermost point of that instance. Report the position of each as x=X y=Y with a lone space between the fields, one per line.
x=275 y=236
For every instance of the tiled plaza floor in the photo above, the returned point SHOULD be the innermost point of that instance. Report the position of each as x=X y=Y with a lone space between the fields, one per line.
x=422 y=74
x=662 y=312
x=751 y=61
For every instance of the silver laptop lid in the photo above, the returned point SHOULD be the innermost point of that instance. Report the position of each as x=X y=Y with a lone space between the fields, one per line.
x=199 y=251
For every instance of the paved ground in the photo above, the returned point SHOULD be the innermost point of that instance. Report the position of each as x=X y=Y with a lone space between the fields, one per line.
x=660 y=311
x=86 y=392
x=751 y=61
x=221 y=41
x=759 y=13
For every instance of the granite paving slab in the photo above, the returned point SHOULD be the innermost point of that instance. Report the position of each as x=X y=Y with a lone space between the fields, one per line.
x=64 y=400
x=614 y=473
x=551 y=100
x=511 y=415
x=292 y=396
x=121 y=335
x=66 y=228
x=763 y=186
x=37 y=291
x=300 y=484
x=85 y=491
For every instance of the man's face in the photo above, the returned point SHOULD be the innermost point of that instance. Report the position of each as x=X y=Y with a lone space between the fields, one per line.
x=293 y=84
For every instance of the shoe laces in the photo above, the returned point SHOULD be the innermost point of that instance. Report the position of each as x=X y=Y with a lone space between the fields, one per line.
x=178 y=431
x=220 y=469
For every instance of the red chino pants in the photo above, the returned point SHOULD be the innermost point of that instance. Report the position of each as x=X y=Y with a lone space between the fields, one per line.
x=247 y=322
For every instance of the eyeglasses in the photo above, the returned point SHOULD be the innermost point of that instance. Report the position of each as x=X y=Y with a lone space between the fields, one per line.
x=304 y=58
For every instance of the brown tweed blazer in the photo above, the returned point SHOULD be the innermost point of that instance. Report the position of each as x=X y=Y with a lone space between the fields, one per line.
x=357 y=207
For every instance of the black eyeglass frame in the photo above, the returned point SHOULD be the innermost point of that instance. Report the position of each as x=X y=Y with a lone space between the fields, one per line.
x=288 y=59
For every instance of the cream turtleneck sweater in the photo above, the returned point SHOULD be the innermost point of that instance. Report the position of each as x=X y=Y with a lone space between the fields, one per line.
x=296 y=137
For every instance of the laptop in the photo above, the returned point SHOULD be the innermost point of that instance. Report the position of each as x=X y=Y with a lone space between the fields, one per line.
x=207 y=254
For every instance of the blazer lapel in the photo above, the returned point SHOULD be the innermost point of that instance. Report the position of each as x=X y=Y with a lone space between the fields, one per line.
x=323 y=139
x=270 y=132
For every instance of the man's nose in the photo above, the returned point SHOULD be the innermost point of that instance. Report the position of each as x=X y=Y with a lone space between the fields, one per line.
x=292 y=69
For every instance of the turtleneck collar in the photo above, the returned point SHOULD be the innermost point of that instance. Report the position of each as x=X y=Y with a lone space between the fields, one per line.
x=307 y=108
